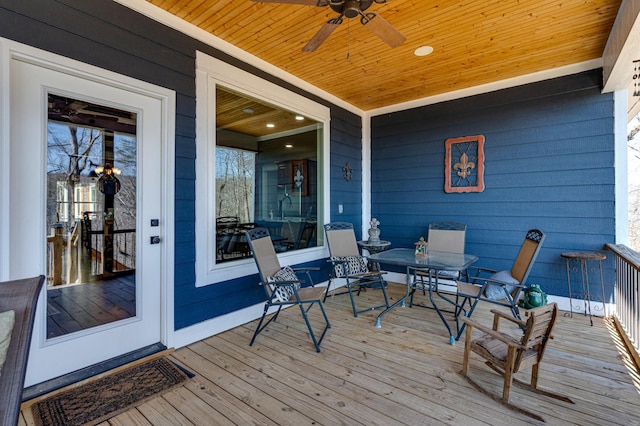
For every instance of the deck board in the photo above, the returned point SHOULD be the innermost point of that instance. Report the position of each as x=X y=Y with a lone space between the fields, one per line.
x=405 y=372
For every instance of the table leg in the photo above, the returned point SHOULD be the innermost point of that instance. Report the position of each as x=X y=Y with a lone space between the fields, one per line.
x=569 y=284
x=399 y=302
x=435 y=305
x=586 y=290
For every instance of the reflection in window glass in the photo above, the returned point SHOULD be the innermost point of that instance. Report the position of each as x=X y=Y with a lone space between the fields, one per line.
x=91 y=215
x=266 y=175
x=235 y=183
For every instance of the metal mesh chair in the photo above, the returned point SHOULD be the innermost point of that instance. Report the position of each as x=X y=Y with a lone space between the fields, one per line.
x=282 y=286
x=448 y=237
x=501 y=287
x=349 y=264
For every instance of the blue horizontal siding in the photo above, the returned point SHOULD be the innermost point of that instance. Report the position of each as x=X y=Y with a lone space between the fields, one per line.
x=549 y=164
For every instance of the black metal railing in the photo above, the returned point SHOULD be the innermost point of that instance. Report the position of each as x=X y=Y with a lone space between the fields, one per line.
x=627 y=293
x=69 y=260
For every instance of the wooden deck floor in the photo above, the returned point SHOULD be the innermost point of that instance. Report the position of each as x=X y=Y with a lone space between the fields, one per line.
x=404 y=373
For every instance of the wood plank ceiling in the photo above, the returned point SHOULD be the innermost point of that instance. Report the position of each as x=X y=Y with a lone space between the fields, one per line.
x=475 y=42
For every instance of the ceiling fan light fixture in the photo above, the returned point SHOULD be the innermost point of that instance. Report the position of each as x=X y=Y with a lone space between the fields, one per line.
x=423 y=51
x=351 y=8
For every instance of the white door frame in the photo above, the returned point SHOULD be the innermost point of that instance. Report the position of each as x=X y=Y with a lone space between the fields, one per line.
x=9 y=51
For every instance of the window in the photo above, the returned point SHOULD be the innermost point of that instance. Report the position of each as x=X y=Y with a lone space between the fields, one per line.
x=262 y=150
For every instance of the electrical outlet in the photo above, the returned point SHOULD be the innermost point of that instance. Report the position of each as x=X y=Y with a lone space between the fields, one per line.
x=340 y=209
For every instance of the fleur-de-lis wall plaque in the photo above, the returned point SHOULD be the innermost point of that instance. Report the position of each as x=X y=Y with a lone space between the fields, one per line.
x=464 y=167
x=464 y=164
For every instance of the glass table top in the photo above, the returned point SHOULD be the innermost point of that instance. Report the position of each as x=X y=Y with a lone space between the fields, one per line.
x=433 y=260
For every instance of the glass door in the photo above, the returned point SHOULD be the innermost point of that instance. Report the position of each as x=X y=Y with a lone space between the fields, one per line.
x=86 y=204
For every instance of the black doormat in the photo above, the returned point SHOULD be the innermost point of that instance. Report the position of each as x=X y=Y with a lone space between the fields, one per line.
x=108 y=396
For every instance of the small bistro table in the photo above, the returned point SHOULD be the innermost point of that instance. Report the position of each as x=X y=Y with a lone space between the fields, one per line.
x=581 y=259
x=434 y=261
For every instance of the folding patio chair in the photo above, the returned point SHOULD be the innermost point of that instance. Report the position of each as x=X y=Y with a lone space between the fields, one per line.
x=501 y=287
x=507 y=354
x=282 y=285
x=349 y=264
x=448 y=237
x=18 y=300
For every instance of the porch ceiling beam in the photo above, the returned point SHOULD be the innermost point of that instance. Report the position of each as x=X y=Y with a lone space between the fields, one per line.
x=623 y=47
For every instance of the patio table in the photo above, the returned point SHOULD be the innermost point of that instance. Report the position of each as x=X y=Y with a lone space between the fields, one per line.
x=434 y=261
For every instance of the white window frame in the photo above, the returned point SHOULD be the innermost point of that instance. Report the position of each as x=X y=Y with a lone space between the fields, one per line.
x=209 y=73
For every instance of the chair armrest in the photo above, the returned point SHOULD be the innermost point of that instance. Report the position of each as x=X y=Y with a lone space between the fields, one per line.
x=507 y=340
x=367 y=274
x=481 y=269
x=487 y=281
x=306 y=268
x=283 y=283
x=508 y=317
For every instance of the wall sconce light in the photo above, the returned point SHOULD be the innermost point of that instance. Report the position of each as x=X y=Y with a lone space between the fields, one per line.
x=636 y=77
x=347 y=172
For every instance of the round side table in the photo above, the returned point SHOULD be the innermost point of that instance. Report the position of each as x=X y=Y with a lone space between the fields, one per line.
x=580 y=259
x=373 y=248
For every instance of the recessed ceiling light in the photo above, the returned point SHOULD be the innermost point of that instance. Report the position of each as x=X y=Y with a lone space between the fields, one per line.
x=423 y=51
x=248 y=111
x=299 y=117
x=288 y=145
x=271 y=125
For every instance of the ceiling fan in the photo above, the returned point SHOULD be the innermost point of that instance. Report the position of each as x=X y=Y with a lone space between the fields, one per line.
x=349 y=9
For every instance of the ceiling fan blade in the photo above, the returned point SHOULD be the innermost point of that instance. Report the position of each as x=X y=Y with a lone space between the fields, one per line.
x=324 y=32
x=383 y=29
x=307 y=2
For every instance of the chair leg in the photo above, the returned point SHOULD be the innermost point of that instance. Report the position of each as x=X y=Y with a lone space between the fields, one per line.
x=258 y=329
x=353 y=303
x=515 y=311
x=324 y=299
x=326 y=293
x=460 y=311
x=261 y=327
x=316 y=341
x=371 y=308
x=467 y=351
x=508 y=373
x=534 y=375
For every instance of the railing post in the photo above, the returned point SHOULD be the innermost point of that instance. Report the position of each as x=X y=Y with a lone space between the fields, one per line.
x=73 y=254
x=57 y=239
